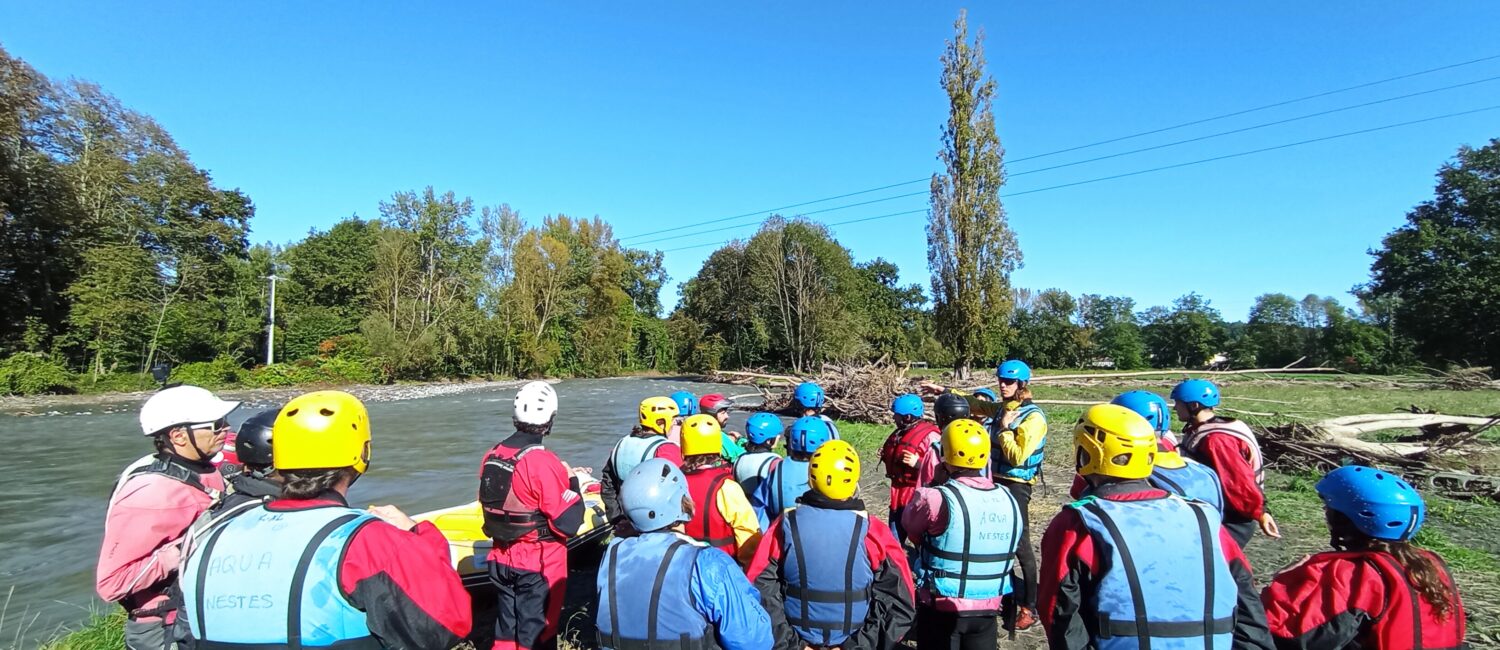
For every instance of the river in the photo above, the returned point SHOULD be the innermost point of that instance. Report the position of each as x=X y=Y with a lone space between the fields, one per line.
x=57 y=471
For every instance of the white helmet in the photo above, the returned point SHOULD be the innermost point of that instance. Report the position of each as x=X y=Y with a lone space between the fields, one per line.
x=536 y=403
x=180 y=405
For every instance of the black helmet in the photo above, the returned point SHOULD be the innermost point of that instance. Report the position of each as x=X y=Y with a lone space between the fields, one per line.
x=253 y=441
x=949 y=407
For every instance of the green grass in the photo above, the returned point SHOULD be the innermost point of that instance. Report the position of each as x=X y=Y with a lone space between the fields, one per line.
x=103 y=631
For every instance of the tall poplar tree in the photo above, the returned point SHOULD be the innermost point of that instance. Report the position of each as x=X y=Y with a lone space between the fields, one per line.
x=970 y=246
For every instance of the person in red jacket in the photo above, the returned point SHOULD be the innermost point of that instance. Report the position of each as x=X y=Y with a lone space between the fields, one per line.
x=154 y=504
x=1131 y=564
x=532 y=503
x=306 y=570
x=1231 y=449
x=910 y=455
x=1374 y=590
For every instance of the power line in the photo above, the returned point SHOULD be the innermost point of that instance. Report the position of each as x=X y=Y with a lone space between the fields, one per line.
x=1085 y=146
x=1257 y=126
x=801 y=214
x=1161 y=168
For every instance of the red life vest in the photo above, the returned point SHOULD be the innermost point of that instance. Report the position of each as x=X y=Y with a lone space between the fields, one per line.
x=1195 y=436
x=709 y=525
x=913 y=439
x=506 y=519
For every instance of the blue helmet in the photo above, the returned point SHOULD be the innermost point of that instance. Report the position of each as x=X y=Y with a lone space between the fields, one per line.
x=908 y=404
x=763 y=428
x=808 y=433
x=809 y=395
x=1380 y=504
x=652 y=495
x=1014 y=369
x=987 y=393
x=687 y=403
x=1150 y=405
x=1200 y=391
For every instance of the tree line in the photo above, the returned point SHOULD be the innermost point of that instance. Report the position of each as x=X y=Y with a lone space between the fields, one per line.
x=118 y=253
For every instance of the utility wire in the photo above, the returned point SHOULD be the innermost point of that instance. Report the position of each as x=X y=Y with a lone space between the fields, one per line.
x=1090 y=160
x=1158 y=169
x=1087 y=146
x=1256 y=126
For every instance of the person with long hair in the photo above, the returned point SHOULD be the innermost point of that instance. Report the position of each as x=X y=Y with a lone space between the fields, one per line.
x=1374 y=589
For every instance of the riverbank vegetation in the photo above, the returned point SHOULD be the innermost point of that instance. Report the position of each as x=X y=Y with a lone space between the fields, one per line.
x=118 y=253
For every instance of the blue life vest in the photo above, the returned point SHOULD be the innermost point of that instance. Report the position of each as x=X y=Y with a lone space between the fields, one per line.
x=669 y=619
x=271 y=579
x=827 y=580
x=1192 y=481
x=1026 y=471
x=632 y=450
x=1165 y=583
x=972 y=558
x=753 y=467
x=833 y=429
x=788 y=483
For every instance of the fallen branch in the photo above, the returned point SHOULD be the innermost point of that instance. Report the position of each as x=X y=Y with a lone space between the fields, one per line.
x=1185 y=373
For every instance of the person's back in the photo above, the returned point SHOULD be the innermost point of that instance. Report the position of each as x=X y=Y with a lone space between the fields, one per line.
x=788 y=480
x=1374 y=590
x=1230 y=448
x=722 y=516
x=650 y=438
x=662 y=590
x=1189 y=479
x=762 y=430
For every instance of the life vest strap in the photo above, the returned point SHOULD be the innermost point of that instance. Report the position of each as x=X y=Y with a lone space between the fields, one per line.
x=1109 y=629
x=1137 y=596
x=299 y=579
x=971 y=557
x=362 y=643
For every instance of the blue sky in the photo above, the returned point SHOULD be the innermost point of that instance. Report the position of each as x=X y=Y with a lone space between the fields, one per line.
x=653 y=115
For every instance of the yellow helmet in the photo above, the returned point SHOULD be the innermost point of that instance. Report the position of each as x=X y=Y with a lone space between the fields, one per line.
x=834 y=470
x=1114 y=441
x=966 y=444
x=700 y=435
x=326 y=429
x=657 y=414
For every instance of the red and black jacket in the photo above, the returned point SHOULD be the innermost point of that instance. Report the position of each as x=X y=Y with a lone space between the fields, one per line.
x=1362 y=599
x=709 y=525
x=911 y=439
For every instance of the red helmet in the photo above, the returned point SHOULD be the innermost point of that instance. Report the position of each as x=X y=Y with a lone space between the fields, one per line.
x=714 y=402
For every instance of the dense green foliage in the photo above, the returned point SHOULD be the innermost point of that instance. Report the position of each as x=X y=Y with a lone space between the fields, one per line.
x=1437 y=278
x=971 y=249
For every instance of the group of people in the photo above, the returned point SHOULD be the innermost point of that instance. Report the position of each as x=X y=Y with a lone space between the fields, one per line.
x=721 y=541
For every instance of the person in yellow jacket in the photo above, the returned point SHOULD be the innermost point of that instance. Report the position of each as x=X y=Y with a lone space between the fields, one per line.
x=722 y=516
x=1018 y=429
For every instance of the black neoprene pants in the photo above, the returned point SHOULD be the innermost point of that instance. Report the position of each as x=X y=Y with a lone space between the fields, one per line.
x=947 y=631
x=1024 y=593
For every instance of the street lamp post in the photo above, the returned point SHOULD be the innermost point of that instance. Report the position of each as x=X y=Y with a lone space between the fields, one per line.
x=271 y=324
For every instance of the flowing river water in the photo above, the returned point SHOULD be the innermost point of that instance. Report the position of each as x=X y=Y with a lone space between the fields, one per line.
x=57 y=471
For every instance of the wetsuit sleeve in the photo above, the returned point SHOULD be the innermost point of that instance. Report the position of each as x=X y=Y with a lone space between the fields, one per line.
x=557 y=492
x=141 y=534
x=1250 y=630
x=892 y=595
x=932 y=458
x=923 y=515
x=405 y=583
x=1068 y=564
x=765 y=575
x=609 y=491
x=1242 y=495
x=1018 y=445
x=723 y=595
x=735 y=508
x=1322 y=602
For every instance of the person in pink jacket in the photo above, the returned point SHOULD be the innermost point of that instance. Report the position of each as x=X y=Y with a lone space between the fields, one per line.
x=153 y=506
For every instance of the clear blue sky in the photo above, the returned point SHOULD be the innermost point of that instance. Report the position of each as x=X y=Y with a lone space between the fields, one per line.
x=652 y=115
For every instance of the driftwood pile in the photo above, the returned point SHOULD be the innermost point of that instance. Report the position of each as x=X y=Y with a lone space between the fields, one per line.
x=859 y=393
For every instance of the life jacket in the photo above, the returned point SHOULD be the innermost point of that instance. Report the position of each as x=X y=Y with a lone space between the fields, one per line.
x=1193 y=480
x=1028 y=470
x=1165 y=583
x=913 y=439
x=753 y=467
x=788 y=483
x=1241 y=431
x=972 y=557
x=169 y=467
x=632 y=450
x=668 y=619
x=709 y=525
x=827 y=580
x=270 y=580
x=833 y=429
x=505 y=518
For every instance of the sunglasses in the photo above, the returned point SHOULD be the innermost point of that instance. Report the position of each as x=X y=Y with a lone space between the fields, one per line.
x=1007 y=381
x=216 y=425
